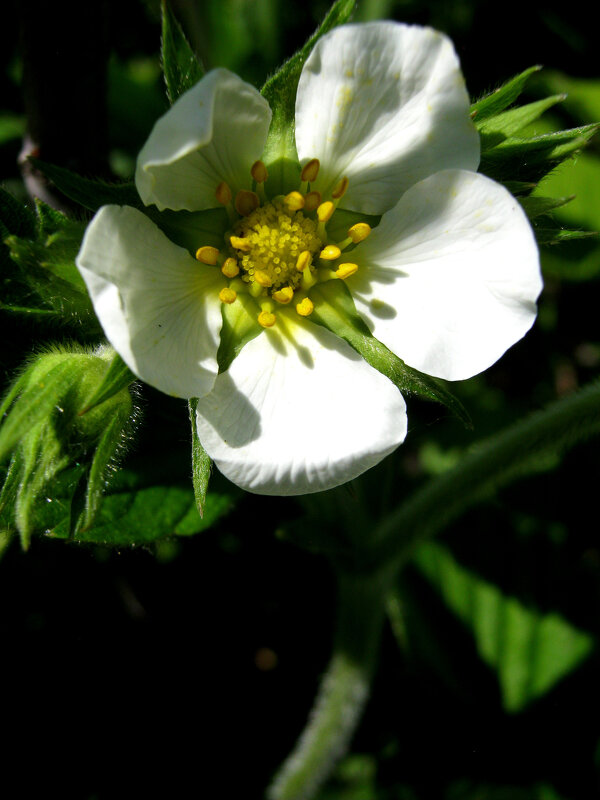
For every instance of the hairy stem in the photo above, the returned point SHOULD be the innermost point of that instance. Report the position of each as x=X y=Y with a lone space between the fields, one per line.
x=344 y=688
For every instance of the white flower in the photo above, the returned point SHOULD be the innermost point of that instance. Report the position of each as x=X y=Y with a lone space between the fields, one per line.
x=448 y=279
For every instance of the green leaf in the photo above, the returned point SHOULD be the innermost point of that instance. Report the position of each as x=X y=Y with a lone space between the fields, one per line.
x=494 y=130
x=495 y=102
x=180 y=65
x=91 y=194
x=43 y=395
x=335 y=310
x=117 y=377
x=132 y=514
x=15 y=217
x=280 y=153
x=521 y=449
x=201 y=462
x=530 y=651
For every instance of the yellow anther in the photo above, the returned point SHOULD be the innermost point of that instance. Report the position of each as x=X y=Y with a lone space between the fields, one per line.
x=266 y=319
x=223 y=193
x=312 y=200
x=325 y=211
x=345 y=270
x=261 y=277
x=359 y=232
x=304 y=260
x=227 y=295
x=284 y=295
x=310 y=171
x=330 y=253
x=230 y=268
x=305 y=307
x=207 y=255
x=294 y=201
x=340 y=188
x=246 y=202
x=259 y=172
x=240 y=243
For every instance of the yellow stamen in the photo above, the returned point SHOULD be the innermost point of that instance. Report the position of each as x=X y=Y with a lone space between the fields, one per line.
x=261 y=277
x=310 y=171
x=325 y=211
x=259 y=172
x=284 y=295
x=240 y=243
x=227 y=295
x=246 y=202
x=294 y=201
x=340 y=188
x=330 y=253
x=312 y=200
x=304 y=260
x=359 y=232
x=266 y=319
x=230 y=268
x=305 y=307
x=345 y=270
x=223 y=193
x=207 y=255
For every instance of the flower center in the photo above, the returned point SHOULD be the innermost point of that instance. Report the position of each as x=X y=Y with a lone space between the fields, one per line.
x=279 y=249
x=269 y=242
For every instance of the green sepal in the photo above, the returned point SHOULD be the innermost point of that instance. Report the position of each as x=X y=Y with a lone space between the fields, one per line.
x=501 y=98
x=334 y=309
x=531 y=159
x=494 y=130
x=240 y=326
x=548 y=236
x=89 y=193
x=540 y=206
x=280 y=154
x=180 y=65
x=201 y=461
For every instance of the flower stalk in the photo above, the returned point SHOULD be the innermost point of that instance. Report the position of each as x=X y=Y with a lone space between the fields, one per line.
x=344 y=688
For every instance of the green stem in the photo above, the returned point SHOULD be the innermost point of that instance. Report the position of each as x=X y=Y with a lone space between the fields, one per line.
x=521 y=449
x=344 y=688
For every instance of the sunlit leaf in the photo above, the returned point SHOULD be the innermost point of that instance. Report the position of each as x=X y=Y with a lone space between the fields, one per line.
x=530 y=651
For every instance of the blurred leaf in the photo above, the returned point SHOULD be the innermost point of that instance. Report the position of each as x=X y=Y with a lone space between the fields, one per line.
x=12 y=126
x=536 y=206
x=280 y=153
x=530 y=651
x=180 y=65
x=335 y=310
x=582 y=95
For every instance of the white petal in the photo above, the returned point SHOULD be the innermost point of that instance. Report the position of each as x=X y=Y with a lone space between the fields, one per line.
x=449 y=279
x=299 y=413
x=158 y=306
x=384 y=104
x=212 y=133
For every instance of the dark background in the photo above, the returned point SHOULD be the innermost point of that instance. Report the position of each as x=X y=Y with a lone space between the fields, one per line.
x=188 y=671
